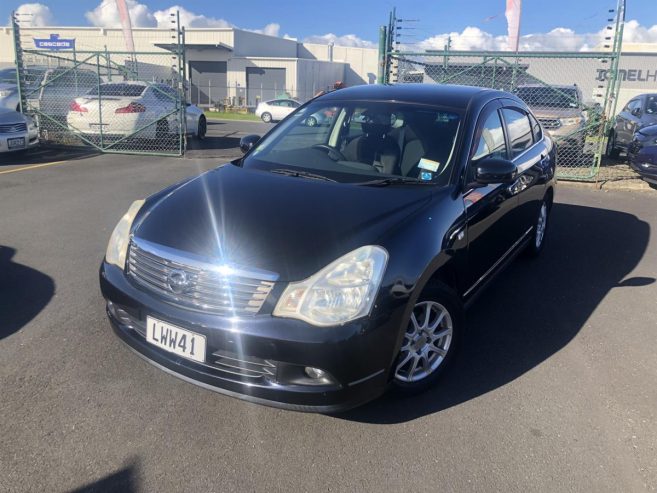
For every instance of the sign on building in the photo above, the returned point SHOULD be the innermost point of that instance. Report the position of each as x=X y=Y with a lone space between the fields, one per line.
x=55 y=43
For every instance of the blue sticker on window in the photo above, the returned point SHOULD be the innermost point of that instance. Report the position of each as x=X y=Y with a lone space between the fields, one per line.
x=426 y=176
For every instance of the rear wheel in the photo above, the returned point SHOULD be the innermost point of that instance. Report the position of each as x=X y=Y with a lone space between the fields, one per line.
x=162 y=129
x=266 y=117
x=540 y=229
x=311 y=121
x=432 y=335
x=612 y=151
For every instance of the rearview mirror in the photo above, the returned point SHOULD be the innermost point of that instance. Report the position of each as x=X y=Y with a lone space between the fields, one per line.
x=247 y=142
x=494 y=170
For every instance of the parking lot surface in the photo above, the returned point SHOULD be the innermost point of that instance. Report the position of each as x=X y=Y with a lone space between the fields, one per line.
x=554 y=389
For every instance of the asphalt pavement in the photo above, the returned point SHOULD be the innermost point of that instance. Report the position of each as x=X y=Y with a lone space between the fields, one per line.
x=554 y=390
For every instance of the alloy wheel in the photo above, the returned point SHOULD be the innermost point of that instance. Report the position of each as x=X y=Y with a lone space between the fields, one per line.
x=541 y=224
x=426 y=342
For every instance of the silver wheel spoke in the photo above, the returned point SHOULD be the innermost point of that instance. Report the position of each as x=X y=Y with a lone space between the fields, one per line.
x=404 y=361
x=436 y=324
x=413 y=366
x=427 y=316
x=438 y=350
x=416 y=326
x=439 y=335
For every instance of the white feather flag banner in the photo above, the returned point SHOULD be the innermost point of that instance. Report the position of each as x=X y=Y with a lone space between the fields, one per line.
x=512 y=14
x=126 y=24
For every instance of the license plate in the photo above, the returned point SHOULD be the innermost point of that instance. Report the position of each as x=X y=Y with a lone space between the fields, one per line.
x=16 y=142
x=179 y=341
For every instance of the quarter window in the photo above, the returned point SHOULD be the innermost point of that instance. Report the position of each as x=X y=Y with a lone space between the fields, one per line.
x=520 y=132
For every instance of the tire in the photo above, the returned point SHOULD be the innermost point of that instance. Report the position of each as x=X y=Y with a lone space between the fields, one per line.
x=612 y=151
x=202 y=128
x=537 y=242
x=162 y=129
x=417 y=344
x=311 y=121
x=266 y=117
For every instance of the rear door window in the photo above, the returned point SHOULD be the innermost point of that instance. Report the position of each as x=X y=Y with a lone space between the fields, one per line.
x=519 y=130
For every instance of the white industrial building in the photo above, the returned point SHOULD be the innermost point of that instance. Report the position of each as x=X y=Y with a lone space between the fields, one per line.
x=222 y=63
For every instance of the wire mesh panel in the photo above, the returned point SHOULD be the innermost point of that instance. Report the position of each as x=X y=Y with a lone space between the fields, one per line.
x=561 y=89
x=116 y=101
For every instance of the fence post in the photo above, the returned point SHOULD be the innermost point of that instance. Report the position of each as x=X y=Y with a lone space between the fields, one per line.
x=100 y=100
x=380 y=79
x=18 y=51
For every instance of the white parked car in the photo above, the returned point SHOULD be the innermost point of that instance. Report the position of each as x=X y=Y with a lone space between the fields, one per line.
x=17 y=131
x=276 y=109
x=132 y=108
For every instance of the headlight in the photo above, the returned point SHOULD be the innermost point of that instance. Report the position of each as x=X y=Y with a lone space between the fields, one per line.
x=342 y=291
x=571 y=121
x=118 y=243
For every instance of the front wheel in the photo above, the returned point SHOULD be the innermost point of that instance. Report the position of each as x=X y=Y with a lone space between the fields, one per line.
x=266 y=117
x=432 y=335
x=202 y=128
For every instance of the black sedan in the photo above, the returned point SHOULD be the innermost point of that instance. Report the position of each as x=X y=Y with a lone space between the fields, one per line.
x=642 y=153
x=333 y=262
x=639 y=112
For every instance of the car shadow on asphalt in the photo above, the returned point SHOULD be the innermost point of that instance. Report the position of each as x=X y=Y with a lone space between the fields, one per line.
x=125 y=480
x=24 y=292
x=47 y=154
x=532 y=310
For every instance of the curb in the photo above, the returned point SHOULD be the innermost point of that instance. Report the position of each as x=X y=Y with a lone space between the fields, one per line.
x=625 y=185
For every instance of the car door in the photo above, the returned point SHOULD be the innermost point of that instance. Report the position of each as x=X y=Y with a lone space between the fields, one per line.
x=490 y=208
x=529 y=153
x=277 y=111
x=627 y=121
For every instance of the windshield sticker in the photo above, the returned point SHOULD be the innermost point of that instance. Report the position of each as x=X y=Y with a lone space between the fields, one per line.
x=428 y=164
x=426 y=176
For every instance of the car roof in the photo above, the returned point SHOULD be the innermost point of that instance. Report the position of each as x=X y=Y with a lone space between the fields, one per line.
x=549 y=86
x=433 y=94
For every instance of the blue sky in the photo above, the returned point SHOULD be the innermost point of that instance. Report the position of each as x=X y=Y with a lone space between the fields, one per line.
x=304 y=19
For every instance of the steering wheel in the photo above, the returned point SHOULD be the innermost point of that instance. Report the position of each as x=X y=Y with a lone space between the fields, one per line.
x=330 y=150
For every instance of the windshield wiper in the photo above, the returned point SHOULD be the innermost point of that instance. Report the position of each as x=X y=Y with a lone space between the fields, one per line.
x=394 y=180
x=300 y=174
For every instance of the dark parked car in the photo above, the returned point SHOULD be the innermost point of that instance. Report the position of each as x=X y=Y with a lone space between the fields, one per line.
x=639 y=112
x=331 y=262
x=642 y=153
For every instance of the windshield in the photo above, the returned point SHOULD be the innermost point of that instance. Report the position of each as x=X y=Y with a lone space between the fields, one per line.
x=362 y=141
x=8 y=76
x=122 y=90
x=553 y=97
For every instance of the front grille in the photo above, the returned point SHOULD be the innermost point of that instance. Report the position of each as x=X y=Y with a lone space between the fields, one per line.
x=550 y=122
x=205 y=289
x=13 y=128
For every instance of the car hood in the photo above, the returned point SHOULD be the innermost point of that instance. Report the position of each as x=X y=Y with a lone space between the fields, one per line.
x=548 y=112
x=649 y=130
x=9 y=117
x=287 y=225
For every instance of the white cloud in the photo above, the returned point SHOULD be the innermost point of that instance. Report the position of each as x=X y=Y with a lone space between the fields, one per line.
x=107 y=14
x=633 y=32
x=188 y=19
x=271 y=29
x=35 y=15
x=345 y=40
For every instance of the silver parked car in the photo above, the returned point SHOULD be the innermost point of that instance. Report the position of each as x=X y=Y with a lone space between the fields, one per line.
x=17 y=131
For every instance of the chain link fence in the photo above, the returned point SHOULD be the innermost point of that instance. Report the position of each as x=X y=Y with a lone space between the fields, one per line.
x=561 y=90
x=565 y=90
x=128 y=102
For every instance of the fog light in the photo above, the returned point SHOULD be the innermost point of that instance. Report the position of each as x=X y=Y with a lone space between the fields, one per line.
x=314 y=373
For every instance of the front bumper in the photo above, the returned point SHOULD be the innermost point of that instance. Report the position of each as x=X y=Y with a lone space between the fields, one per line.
x=30 y=140
x=357 y=356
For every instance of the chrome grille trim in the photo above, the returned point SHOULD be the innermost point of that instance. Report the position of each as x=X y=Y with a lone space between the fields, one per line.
x=550 y=122
x=223 y=290
x=13 y=128
x=245 y=366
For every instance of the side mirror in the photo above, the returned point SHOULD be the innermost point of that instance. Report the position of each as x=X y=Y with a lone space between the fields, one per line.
x=248 y=141
x=494 y=170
